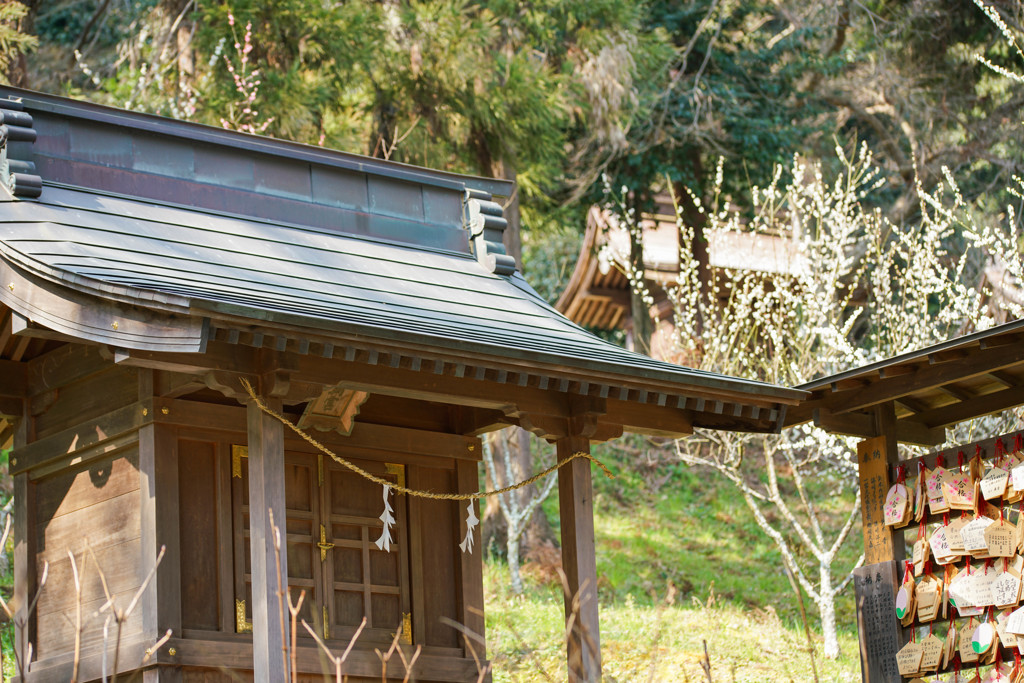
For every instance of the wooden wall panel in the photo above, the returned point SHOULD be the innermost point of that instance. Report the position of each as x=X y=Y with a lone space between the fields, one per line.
x=93 y=507
x=88 y=398
x=57 y=629
x=197 y=515
x=434 y=521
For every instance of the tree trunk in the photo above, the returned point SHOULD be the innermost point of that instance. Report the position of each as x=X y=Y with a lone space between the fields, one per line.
x=513 y=563
x=697 y=222
x=512 y=236
x=640 y=310
x=538 y=530
x=827 y=610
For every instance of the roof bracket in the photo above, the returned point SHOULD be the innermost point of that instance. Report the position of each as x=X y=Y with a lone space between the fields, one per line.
x=486 y=224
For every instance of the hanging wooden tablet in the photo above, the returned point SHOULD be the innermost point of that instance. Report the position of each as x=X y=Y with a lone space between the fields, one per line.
x=938 y=543
x=993 y=484
x=1000 y=539
x=959 y=491
x=928 y=596
x=908 y=659
x=955 y=537
x=973 y=534
x=931 y=654
x=983 y=587
x=1006 y=590
x=936 y=498
x=949 y=645
x=896 y=502
x=1006 y=638
x=920 y=501
x=921 y=554
x=965 y=642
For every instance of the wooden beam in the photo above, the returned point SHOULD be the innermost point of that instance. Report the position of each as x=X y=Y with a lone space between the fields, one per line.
x=912 y=404
x=857 y=424
x=927 y=377
x=949 y=356
x=12 y=379
x=959 y=393
x=266 y=495
x=100 y=320
x=576 y=511
x=1005 y=378
x=976 y=407
x=62 y=366
x=616 y=297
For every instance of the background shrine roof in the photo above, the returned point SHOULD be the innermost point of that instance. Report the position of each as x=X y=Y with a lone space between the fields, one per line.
x=194 y=222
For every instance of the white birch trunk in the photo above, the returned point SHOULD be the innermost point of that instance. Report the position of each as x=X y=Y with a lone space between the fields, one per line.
x=827 y=609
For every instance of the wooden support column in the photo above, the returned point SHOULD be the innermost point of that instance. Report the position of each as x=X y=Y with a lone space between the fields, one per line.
x=875 y=583
x=25 y=577
x=266 y=493
x=885 y=426
x=576 y=510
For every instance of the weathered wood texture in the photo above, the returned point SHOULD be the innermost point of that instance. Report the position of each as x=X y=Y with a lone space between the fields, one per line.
x=576 y=511
x=266 y=497
x=877 y=626
x=94 y=512
x=434 y=551
x=201 y=604
x=874 y=485
x=87 y=398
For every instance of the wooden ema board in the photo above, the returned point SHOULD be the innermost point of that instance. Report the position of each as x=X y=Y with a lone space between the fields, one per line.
x=886 y=549
x=877 y=627
x=874 y=484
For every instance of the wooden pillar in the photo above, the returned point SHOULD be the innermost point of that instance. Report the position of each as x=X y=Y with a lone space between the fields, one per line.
x=885 y=427
x=24 y=542
x=879 y=631
x=576 y=510
x=266 y=493
x=161 y=604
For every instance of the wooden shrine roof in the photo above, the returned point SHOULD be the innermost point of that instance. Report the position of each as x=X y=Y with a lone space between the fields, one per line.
x=190 y=235
x=598 y=292
x=963 y=378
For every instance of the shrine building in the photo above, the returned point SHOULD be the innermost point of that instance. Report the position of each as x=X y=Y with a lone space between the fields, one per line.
x=148 y=266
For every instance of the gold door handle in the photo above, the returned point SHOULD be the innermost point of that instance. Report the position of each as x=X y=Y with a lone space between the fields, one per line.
x=323 y=544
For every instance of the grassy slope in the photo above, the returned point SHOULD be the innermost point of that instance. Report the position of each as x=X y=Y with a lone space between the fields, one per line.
x=695 y=532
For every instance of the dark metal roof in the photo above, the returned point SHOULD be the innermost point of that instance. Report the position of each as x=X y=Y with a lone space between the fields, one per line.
x=183 y=260
x=931 y=388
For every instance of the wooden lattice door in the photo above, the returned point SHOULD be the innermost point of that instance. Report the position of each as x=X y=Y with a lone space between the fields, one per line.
x=333 y=523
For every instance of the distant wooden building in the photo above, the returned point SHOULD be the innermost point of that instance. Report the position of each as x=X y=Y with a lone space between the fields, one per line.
x=598 y=292
x=150 y=265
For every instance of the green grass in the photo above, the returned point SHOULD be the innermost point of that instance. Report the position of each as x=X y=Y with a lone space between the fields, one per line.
x=694 y=532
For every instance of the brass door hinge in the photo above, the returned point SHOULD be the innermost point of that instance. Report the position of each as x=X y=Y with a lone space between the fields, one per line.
x=323 y=544
x=407 y=628
x=397 y=470
x=237 y=453
x=241 y=625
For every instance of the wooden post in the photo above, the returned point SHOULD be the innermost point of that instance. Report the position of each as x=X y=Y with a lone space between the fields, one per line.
x=576 y=510
x=24 y=541
x=878 y=629
x=266 y=493
x=885 y=426
x=158 y=488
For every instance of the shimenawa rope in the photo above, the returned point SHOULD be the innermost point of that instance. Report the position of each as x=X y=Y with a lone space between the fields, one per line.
x=403 y=489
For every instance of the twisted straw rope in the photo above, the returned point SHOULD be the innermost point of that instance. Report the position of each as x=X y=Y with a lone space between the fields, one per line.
x=403 y=489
